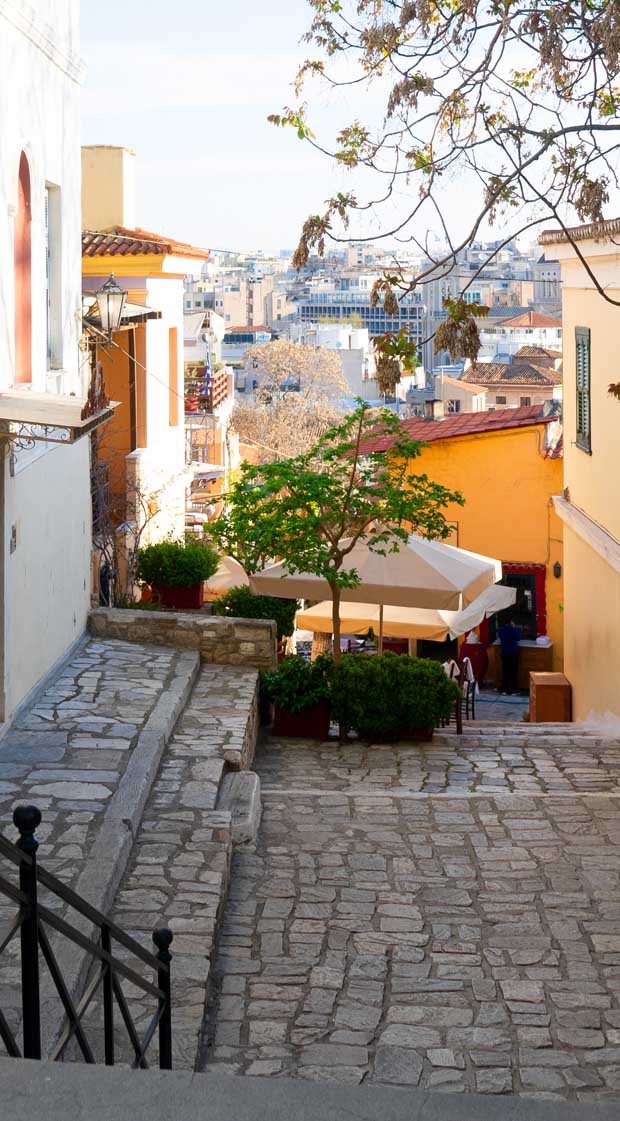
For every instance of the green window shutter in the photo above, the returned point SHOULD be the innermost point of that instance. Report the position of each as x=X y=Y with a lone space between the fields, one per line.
x=583 y=408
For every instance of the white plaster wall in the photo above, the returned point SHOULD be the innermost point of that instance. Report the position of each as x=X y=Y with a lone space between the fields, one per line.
x=162 y=465
x=45 y=581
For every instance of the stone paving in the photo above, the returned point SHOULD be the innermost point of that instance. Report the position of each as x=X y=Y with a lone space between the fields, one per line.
x=388 y=929
x=67 y=755
x=481 y=762
x=180 y=865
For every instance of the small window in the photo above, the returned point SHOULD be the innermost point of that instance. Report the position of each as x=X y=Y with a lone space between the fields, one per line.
x=582 y=363
x=500 y=400
x=524 y=401
x=454 y=406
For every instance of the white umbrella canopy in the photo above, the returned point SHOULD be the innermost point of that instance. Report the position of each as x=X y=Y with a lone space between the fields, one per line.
x=230 y=574
x=404 y=622
x=428 y=574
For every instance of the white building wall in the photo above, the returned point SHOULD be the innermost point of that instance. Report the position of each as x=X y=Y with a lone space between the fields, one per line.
x=162 y=471
x=44 y=493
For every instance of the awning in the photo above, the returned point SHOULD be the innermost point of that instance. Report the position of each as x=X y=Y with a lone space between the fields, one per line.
x=34 y=417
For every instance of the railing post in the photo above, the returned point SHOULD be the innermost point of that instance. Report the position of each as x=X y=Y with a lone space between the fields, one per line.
x=108 y=998
x=163 y=939
x=26 y=819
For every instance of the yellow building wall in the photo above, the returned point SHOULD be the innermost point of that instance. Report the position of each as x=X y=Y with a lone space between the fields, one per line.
x=592 y=613
x=593 y=480
x=508 y=485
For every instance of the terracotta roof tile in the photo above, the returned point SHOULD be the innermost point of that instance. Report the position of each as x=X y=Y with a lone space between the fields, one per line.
x=541 y=354
x=463 y=424
x=118 y=241
x=533 y=319
x=516 y=373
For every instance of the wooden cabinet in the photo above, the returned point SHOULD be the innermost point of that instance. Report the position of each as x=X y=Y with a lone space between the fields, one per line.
x=532 y=659
x=550 y=698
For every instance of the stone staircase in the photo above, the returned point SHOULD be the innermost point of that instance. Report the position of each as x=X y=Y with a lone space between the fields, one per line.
x=127 y=752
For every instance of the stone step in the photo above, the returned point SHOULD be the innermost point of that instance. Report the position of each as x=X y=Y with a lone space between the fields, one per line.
x=240 y=796
x=180 y=865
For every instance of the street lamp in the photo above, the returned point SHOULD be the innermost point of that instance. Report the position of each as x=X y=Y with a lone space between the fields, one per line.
x=111 y=301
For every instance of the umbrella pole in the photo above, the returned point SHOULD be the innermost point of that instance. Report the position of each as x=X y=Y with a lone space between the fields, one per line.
x=381 y=628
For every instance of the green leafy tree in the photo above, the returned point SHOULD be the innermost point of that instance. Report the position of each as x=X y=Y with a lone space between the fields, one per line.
x=518 y=102
x=310 y=511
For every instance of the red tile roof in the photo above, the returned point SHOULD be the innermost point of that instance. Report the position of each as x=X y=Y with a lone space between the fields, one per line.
x=118 y=241
x=517 y=373
x=532 y=319
x=541 y=354
x=462 y=424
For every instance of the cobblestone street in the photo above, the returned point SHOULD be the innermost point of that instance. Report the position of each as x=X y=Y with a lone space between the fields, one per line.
x=443 y=915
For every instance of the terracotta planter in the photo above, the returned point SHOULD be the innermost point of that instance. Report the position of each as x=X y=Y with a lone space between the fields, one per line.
x=181 y=598
x=418 y=735
x=310 y=723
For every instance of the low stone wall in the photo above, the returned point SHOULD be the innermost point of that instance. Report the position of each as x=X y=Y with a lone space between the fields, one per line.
x=220 y=640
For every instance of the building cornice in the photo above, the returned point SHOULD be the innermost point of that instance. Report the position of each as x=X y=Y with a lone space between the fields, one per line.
x=589 y=531
x=23 y=17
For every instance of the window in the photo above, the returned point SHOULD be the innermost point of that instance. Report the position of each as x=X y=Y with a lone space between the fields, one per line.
x=23 y=277
x=500 y=400
x=454 y=406
x=582 y=363
x=525 y=401
x=53 y=286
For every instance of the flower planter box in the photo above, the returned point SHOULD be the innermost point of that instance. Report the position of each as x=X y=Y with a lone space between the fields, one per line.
x=181 y=598
x=310 y=723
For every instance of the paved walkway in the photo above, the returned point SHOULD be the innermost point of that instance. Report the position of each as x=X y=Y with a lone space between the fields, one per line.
x=522 y=762
x=382 y=932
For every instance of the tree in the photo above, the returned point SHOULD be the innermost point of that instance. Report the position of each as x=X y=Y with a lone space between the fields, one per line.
x=517 y=102
x=296 y=398
x=311 y=511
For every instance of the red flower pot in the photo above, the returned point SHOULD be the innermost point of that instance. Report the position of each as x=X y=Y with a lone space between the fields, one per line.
x=181 y=598
x=310 y=723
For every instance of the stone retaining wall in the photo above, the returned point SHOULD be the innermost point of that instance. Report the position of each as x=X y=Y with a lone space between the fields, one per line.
x=220 y=640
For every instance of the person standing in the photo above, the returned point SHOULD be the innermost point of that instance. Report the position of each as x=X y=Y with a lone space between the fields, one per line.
x=509 y=639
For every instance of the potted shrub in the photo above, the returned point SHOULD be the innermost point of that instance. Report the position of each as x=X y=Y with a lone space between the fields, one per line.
x=175 y=571
x=241 y=603
x=390 y=697
x=300 y=691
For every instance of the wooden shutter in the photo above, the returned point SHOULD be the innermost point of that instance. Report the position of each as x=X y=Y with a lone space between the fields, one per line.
x=582 y=366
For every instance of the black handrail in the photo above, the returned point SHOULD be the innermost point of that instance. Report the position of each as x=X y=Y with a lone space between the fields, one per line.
x=31 y=921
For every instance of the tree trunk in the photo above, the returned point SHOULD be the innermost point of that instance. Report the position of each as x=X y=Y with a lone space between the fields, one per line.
x=336 y=593
x=321 y=644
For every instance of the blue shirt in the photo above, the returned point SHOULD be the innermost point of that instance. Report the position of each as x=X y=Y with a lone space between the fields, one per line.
x=509 y=637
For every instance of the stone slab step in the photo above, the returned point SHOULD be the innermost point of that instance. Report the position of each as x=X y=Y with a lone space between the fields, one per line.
x=240 y=796
x=74 y=1092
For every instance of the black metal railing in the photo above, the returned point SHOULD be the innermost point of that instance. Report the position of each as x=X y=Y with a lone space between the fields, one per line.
x=31 y=922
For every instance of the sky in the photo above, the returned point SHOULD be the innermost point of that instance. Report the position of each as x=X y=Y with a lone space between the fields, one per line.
x=189 y=87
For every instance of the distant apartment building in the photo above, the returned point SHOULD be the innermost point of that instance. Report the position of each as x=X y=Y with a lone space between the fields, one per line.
x=501 y=337
x=526 y=379
x=354 y=347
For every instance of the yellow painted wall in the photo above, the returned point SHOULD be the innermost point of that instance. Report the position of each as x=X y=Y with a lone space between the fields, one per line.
x=592 y=614
x=594 y=480
x=108 y=187
x=508 y=484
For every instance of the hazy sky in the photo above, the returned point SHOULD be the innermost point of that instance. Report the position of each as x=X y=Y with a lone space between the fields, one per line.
x=189 y=86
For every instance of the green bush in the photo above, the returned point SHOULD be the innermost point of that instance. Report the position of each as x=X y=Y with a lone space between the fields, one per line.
x=299 y=684
x=176 y=564
x=243 y=604
x=382 y=697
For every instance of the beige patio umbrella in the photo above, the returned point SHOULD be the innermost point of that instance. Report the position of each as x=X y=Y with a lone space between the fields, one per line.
x=230 y=574
x=422 y=574
x=407 y=622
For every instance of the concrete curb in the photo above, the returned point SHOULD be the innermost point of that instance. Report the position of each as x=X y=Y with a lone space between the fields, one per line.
x=74 y=1092
x=111 y=849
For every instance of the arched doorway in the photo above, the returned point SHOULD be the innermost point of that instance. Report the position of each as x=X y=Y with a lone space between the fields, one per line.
x=23 y=277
